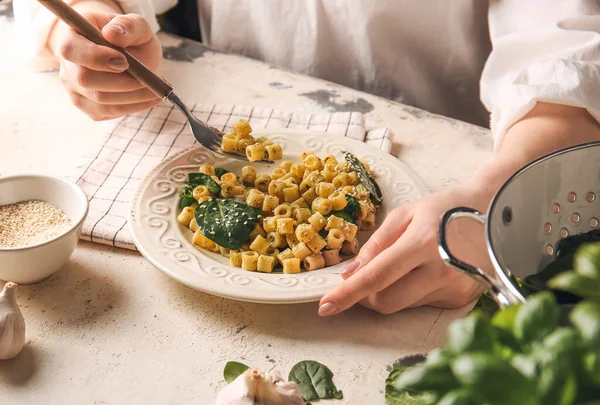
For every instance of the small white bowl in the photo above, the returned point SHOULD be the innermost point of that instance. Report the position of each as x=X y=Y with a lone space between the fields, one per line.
x=30 y=264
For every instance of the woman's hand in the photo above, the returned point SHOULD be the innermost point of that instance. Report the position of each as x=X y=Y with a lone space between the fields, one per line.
x=400 y=266
x=94 y=76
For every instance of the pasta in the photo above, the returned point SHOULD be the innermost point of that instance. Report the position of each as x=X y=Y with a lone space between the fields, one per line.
x=265 y=264
x=310 y=211
x=291 y=266
x=240 y=140
x=314 y=262
x=249 y=260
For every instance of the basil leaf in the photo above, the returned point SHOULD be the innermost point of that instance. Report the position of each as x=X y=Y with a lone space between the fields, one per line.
x=364 y=177
x=314 y=380
x=226 y=221
x=591 y=365
x=505 y=318
x=586 y=319
x=233 y=370
x=394 y=397
x=470 y=334
x=577 y=284
x=219 y=172
x=495 y=380
x=460 y=396
x=536 y=318
x=587 y=261
x=201 y=179
x=556 y=385
x=486 y=305
x=436 y=378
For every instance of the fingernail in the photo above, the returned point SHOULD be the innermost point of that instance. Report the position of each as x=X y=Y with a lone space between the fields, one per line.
x=329 y=308
x=116 y=28
x=117 y=64
x=350 y=268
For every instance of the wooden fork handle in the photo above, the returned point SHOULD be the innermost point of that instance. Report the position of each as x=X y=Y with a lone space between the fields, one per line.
x=136 y=68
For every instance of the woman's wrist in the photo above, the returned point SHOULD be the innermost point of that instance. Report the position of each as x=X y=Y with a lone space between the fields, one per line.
x=546 y=129
x=83 y=6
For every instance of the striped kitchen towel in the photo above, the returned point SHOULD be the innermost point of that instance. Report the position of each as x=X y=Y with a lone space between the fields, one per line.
x=118 y=161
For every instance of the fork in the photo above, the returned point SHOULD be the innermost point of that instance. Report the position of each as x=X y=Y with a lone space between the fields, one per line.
x=207 y=136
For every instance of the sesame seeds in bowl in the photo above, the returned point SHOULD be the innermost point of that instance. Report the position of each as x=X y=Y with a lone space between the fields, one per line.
x=32 y=222
x=40 y=224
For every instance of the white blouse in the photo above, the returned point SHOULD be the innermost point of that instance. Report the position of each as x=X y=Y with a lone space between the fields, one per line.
x=430 y=54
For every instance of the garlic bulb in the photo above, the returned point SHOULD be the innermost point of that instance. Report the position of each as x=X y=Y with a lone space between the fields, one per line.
x=12 y=324
x=255 y=388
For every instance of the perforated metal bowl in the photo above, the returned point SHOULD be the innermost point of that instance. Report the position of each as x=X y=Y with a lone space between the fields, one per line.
x=551 y=198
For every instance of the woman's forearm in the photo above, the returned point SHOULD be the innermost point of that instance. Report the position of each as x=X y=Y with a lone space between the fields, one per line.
x=547 y=128
x=83 y=6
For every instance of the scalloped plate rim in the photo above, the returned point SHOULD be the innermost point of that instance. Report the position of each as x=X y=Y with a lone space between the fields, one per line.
x=237 y=292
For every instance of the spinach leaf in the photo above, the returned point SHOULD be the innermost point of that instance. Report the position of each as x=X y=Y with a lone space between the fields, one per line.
x=350 y=212
x=226 y=221
x=219 y=171
x=570 y=244
x=233 y=370
x=352 y=208
x=583 y=281
x=194 y=180
x=314 y=380
x=341 y=214
x=364 y=177
x=187 y=201
x=201 y=179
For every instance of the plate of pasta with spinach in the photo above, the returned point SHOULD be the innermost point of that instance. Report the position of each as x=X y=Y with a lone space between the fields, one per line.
x=275 y=229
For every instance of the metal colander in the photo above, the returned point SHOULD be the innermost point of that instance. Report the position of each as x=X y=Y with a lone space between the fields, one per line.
x=553 y=197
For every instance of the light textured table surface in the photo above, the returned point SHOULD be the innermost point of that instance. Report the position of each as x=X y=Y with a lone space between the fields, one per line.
x=109 y=328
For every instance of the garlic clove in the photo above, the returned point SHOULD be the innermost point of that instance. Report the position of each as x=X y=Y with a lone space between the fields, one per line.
x=12 y=324
x=255 y=388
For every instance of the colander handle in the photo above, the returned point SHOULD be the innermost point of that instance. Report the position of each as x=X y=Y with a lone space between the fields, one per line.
x=503 y=294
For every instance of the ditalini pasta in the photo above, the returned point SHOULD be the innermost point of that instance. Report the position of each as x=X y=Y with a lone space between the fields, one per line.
x=301 y=216
x=255 y=149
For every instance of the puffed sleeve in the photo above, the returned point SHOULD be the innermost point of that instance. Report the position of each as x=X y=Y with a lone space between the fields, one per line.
x=33 y=23
x=543 y=50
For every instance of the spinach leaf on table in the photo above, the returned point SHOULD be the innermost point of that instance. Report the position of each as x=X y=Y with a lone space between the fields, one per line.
x=364 y=177
x=314 y=380
x=233 y=370
x=395 y=397
x=226 y=221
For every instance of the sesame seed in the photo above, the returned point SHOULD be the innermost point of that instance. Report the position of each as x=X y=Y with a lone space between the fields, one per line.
x=28 y=223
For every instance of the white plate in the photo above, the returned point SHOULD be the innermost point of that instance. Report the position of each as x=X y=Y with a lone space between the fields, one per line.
x=167 y=244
